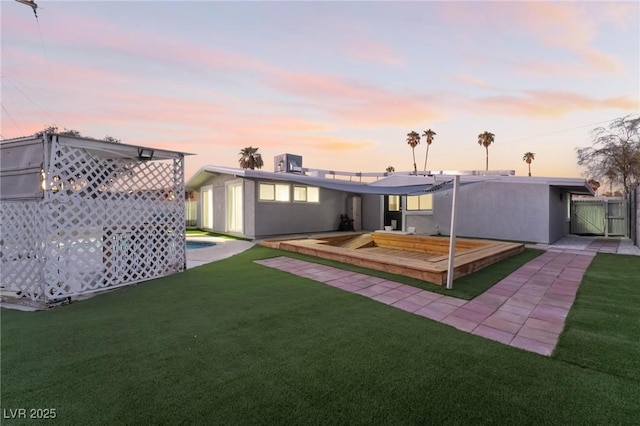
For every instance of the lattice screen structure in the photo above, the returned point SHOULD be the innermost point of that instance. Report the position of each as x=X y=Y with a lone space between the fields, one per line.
x=109 y=215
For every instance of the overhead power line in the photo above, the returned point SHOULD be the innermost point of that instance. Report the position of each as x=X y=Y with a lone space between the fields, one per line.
x=559 y=131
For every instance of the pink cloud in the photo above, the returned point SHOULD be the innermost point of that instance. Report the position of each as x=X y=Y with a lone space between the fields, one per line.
x=620 y=14
x=572 y=27
x=141 y=44
x=373 y=51
x=472 y=81
x=330 y=143
x=569 y=26
x=33 y=67
x=358 y=103
x=550 y=104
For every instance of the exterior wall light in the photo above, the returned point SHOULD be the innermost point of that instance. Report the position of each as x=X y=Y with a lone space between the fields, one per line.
x=145 y=154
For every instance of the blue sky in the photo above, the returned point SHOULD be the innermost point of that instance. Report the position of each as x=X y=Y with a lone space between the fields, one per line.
x=340 y=83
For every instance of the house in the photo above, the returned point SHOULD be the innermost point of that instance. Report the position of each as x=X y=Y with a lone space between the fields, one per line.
x=258 y=204
x=520 y=208
x=81 y=215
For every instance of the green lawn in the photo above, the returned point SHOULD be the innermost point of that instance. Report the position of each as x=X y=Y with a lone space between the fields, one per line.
x=236 y=343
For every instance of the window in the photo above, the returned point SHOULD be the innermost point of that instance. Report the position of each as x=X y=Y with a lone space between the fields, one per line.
x=420 y=202
x=394 y=203
x=309 y=194
x=274 y=192
x=313 y=194
x=299 y=193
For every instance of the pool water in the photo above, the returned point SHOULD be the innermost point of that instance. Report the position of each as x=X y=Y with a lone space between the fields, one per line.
x=192 y=245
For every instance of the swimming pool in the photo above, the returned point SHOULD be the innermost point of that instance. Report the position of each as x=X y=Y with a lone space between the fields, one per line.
x=192 y=245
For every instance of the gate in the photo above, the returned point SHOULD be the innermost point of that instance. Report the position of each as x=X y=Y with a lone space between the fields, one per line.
x=604 y=217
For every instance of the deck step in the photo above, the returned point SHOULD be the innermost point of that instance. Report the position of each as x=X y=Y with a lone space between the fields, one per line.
x=364 y=240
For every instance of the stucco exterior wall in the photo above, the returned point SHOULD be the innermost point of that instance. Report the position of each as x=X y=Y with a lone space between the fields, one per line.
x=558 y=216
x=279 y=218
x=497 y=210
x=371 y=212
x=424 y=223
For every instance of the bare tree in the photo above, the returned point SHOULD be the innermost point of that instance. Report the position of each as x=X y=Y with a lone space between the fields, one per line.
x=615 y=153
x=54 y=129
x=110 y=138
x=72 y=132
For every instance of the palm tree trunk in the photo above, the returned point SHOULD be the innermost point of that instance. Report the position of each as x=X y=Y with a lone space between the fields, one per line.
x=529 y=169
x=487 y=161
x=415 y=168
x=426 y=157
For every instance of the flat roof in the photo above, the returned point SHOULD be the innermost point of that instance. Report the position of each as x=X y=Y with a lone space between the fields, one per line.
x=99 y=148
x=395 y=184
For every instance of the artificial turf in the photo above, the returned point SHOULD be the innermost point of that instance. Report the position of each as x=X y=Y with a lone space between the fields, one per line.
x=604 y=323
x=233 y=342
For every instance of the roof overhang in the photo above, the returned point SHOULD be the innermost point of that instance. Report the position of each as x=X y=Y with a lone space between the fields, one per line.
x=395 y=184
x=570 y=185
x=113 y=150
x=392 y=185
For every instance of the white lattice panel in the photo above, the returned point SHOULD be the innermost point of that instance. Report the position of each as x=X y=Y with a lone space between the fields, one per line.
x=21 y=248
x=102 y=223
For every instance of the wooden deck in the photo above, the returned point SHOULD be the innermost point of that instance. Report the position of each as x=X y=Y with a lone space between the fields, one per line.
x=417 y=256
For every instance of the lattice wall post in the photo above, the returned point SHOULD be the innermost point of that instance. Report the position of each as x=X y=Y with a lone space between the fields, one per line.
x=178 y=170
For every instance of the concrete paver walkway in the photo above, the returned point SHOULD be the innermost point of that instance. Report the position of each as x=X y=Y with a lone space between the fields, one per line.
x=527 y=309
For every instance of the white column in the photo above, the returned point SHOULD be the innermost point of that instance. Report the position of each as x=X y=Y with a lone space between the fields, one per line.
x=452 y=232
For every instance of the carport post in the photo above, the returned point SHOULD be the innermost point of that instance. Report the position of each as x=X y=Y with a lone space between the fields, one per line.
x=452 y=232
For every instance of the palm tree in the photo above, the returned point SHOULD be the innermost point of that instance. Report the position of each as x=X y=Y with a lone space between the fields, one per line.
x=390 y=169
x=413 y=139
x=485 y=139
x=528 y=157
x=250 y=158
x=428 y=136
x=594 y=184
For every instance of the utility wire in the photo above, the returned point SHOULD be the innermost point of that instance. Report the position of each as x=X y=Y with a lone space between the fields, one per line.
x=26 y=96
x=558 y=131
x=46 y=57
x=51 y=101
x=14 y=121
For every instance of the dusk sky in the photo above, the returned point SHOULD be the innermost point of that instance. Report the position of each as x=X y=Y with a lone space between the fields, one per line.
x=340 y=83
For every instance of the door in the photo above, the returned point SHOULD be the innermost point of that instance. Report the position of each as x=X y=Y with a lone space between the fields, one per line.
x=617 y=218
x=234 y=208
x=599 y=217
x=354 y=211
x=207 y=207
x=393 y=211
